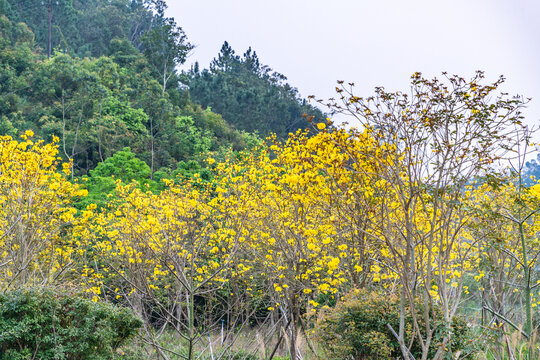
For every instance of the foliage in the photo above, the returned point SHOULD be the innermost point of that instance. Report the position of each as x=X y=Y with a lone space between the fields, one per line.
x=163 y=249
x=40 y=324
x=35 y=214
x=165 y=47
x=134 y=119
x=532 y=168
x=357 y=328
x=122 y=166
x=238 y=355
x=429 y=145
x=191 y=170
x=98 y=106
x=507 y=270
x=249 y=95
x=84 y=28
x=244 y=232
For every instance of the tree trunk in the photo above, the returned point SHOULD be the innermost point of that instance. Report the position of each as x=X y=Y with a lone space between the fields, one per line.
x=294 y=326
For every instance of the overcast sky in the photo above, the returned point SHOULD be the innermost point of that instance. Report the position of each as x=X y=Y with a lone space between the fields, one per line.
x=373 y=43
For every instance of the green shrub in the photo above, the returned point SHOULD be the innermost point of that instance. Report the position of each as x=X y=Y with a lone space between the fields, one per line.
x=357 y=328
x=44 y=325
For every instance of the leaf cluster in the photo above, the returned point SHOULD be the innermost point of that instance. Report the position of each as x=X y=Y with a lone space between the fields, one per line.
x=39 y=323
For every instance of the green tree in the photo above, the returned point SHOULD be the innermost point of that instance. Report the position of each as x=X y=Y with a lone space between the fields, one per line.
x=166 y=47
x=249 y=95
x=68 y=89
x=123 y=166
x=41 y=324
x=83 y=27
x=17 y=63
x=97 y=106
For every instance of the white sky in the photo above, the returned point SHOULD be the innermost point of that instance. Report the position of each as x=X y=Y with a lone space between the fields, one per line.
x=373 y=43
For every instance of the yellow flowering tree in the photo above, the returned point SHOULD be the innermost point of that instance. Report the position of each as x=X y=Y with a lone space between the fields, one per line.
x=430 y=144
x=508 y=225
x=164 y=250
x=293 y=239
x=356 y=194
x=36 y=213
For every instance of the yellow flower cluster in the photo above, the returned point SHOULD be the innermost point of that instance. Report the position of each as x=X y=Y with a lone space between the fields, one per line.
x=36 y=212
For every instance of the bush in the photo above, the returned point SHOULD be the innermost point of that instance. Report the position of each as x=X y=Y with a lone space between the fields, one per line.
x=357 y=328
x=43 y=325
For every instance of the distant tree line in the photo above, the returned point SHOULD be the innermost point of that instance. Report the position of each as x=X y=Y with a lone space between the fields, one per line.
x=249 y=95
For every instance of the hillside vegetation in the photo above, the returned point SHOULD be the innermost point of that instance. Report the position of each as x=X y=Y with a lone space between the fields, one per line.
x=214 y=214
